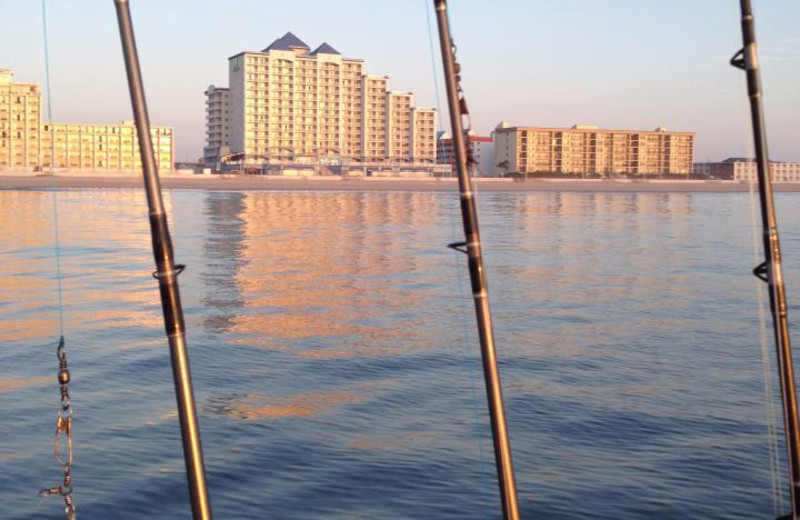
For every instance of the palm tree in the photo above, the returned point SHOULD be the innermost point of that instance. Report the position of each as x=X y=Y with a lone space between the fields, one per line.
x=503 y=165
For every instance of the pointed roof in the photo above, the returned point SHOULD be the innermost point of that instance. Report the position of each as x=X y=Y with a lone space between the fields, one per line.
x=287 y=42
x=324 y=48
x=277 y=45
x=293 y=41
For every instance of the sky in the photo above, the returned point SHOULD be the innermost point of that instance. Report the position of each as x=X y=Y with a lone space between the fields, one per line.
x=629 y=64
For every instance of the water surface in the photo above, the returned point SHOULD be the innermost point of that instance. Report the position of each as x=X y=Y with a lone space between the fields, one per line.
x=336 y=365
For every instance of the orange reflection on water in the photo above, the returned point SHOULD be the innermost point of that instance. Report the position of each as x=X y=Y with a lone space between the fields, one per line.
x=105 y=262
x=313 y=266
x=12 y=385
x=355 y=351
x=400 y=441
x=254 y=407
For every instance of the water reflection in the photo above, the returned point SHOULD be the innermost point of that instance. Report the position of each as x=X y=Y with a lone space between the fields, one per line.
x=104 y=245
x=286 y=269
x=7 y=386
x=298 y=269
x=223 y=253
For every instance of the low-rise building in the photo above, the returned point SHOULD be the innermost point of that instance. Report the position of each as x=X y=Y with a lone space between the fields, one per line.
x=85 y=147
x=588 y=150
x=27 y=143
x=702 y=169
x=745 y=169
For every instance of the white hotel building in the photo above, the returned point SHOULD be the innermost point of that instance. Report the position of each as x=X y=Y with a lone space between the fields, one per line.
x=290 y=107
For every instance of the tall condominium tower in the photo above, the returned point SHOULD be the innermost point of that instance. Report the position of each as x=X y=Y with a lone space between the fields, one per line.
x=289 y=104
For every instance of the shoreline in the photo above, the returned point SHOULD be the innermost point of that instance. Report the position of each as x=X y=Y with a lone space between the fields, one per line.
x=266 y=183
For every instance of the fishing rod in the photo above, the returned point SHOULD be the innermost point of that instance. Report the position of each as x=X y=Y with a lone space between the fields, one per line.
x=770 y=271
x=472 y=247
x=167 y=275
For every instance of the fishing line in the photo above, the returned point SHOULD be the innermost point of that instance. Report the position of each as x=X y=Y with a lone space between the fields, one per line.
x=434 y=73
x=778 y=502
x=769 y=389
x=766 y=364
x=64 y=412
x=473 y=370
x=57 y=239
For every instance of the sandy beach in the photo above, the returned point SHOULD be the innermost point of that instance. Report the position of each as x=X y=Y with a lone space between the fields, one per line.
x=247 y=183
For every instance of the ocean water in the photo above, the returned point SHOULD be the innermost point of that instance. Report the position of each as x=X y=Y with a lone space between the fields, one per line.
x=336 y=365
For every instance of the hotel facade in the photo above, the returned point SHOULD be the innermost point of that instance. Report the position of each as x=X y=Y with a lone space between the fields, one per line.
x=290 y=105
x=588 y=150
x=26 y=143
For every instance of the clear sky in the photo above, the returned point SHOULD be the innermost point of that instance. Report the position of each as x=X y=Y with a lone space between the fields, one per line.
x=616 y=63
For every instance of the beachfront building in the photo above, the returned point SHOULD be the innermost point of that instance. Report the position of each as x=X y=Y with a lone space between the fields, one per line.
x=27 y=143
x=744 y=169
x=398 y=128
x=373 y=146
x=423 y=135
x=85 y=147
x=588 y=150
x=20 y=117
x=702 y=169
x=352 y=100
x=290 y=106
x=482 y=151
x=217 y=128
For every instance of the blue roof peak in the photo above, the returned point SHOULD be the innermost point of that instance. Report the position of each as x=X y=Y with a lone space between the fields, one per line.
x=287 y=42
x=324 y=48
x=293 y=41
x=277 y=45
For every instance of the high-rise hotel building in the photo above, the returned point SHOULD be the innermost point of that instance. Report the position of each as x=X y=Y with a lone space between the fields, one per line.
x=289 y=104
x=583 y=150
x=26 y=143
